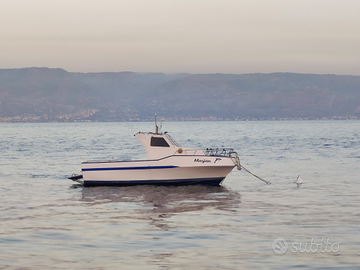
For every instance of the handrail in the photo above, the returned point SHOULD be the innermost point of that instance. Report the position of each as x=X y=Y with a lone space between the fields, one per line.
x=223 y=152
x=218 y=151
x=171 y=139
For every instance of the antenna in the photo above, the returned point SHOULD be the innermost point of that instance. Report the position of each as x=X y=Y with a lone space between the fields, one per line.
x=156 y=126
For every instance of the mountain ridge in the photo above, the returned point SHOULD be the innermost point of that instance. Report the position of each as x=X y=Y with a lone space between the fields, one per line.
x=55 y=95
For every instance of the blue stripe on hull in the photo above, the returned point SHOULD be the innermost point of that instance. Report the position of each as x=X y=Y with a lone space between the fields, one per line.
x=128 y=168
x=206 y=181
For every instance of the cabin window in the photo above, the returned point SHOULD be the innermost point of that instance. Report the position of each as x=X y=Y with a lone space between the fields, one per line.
x=158 y=141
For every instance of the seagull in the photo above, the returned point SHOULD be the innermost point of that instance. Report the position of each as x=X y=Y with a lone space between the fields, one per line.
x=298 y=181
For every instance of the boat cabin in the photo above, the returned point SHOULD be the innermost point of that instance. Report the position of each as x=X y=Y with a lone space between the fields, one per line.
x=159 y=145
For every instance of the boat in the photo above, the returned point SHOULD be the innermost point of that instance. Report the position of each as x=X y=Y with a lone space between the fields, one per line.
x=167 y=164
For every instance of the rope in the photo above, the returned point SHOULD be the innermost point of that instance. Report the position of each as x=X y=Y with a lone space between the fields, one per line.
x=236 y=161
x=267 y=182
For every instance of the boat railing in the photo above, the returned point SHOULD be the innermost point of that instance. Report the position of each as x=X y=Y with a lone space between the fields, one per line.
x=224 y=152
x=191 y=152
x=171 y=139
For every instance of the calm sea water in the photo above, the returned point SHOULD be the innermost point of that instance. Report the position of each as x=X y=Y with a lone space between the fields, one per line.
x=48 y=222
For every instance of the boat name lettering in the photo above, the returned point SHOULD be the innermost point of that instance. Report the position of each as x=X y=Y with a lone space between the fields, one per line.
x=202 y=160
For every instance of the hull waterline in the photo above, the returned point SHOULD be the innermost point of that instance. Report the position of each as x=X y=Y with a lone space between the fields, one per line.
x=170 y=182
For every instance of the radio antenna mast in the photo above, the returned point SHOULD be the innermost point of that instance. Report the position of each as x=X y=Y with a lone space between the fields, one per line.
x=156 y=126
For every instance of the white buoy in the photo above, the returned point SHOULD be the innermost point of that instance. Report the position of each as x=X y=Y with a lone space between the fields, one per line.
x=298 y=181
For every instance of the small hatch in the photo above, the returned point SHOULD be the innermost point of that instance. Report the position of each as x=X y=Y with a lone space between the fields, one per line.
x=158 y=141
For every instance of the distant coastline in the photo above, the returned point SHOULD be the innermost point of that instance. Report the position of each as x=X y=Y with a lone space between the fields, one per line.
x=54 y=95
x=70 y=119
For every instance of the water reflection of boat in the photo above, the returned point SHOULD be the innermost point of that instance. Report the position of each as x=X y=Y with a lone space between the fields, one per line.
x=164 y=200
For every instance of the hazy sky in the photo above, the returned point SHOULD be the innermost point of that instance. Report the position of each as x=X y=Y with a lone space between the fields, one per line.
x=192 y=36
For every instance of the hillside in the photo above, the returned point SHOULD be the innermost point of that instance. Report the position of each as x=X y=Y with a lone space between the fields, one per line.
x=43 y=95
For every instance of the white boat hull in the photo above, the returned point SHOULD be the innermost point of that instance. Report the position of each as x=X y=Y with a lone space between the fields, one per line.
x=173 y=170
